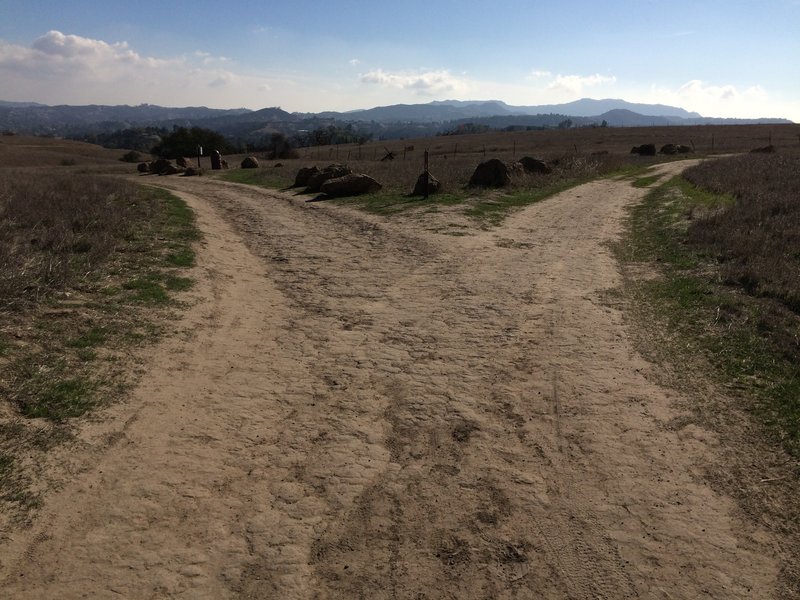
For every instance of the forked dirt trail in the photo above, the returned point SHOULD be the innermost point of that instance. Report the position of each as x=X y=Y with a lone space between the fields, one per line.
x=365 y=409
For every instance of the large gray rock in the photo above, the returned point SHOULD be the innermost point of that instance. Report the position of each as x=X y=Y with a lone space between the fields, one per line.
x=434 y=185
x=171 y=170
x=534 y=165
x=304 y=175
x=492 y=173
x=351 y=184
x=250 y=163
x=160 y=166
x=143 y=167
x=644 y=150
x=330 y=172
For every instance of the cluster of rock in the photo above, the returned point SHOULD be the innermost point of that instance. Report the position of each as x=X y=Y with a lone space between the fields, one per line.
x=335 y=181
x=668 y=149
x=675 y=149
x=496 y=173
x=162 y=166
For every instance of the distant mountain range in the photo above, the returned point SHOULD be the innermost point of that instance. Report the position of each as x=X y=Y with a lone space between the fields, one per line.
x=399 y=120
x=450 y=110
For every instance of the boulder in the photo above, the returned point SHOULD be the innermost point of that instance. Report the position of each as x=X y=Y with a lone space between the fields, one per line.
x=216 y=160
x=434 y=185
x=143 y=168
x=182 y=161
x=171 y=169
x=670 y=149
x=160 y=166
x=250 y=163
x=330 y=172
x=644 y=150
x=351 y=184
x=303 y=176
x=492 y=173
x=192 y=171
x=534 y=165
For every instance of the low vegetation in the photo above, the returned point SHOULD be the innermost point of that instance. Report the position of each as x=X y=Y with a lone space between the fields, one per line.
x=487 y=206
x=724 y=243
x=87 y=266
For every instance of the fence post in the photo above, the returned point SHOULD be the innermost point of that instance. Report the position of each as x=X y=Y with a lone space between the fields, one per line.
x=426 y=176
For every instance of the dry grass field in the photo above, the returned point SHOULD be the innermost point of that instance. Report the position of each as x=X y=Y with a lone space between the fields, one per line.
x=453 y=158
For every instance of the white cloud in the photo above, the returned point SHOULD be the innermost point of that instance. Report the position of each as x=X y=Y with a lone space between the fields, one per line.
x=354 y=62
x=420 y=82
x=575 y=84
x=713 y=100
x=536 y=75
x=59 y=68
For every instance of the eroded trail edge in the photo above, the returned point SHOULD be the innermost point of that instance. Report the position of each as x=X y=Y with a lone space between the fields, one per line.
x=360 y=408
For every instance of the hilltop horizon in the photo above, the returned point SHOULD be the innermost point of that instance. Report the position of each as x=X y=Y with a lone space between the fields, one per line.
x=582 y=107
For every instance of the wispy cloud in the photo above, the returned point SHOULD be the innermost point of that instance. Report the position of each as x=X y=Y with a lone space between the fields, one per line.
x=569 y=85
x=419 y=82
x=717 y=100
x=58 y=68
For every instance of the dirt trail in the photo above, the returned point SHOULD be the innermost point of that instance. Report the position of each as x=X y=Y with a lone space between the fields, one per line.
x=363 y=409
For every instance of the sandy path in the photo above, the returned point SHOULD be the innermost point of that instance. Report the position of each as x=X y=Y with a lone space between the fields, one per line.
x=360 y=409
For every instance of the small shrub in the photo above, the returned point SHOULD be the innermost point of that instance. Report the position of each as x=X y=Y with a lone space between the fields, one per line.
x=132 y=157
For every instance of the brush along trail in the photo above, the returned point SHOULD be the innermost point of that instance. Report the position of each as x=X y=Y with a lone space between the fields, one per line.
x=361 y=408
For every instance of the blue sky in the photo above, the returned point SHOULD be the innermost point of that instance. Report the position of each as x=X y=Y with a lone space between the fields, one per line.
x=733 y=58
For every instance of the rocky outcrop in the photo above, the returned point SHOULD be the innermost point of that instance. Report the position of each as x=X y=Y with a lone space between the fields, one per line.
x=351 y=184
x=434 y=185
x=670 y=149
x=644 y=150
x=534 y=165
x=161 y=166
x=333 y=171
x=304 y=175
x=492 y=173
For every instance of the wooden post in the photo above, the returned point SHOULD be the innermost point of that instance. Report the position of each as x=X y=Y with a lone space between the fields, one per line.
x=425 y=195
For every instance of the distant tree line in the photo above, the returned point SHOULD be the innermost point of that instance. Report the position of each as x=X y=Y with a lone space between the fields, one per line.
x=183 y=141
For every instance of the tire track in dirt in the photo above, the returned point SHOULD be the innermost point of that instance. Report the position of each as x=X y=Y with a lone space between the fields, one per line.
x=368 y=409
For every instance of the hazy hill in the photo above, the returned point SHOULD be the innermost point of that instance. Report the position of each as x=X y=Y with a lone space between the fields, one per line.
x=400 y=120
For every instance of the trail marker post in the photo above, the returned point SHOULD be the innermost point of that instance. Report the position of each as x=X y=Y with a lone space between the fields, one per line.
x=425 y=188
